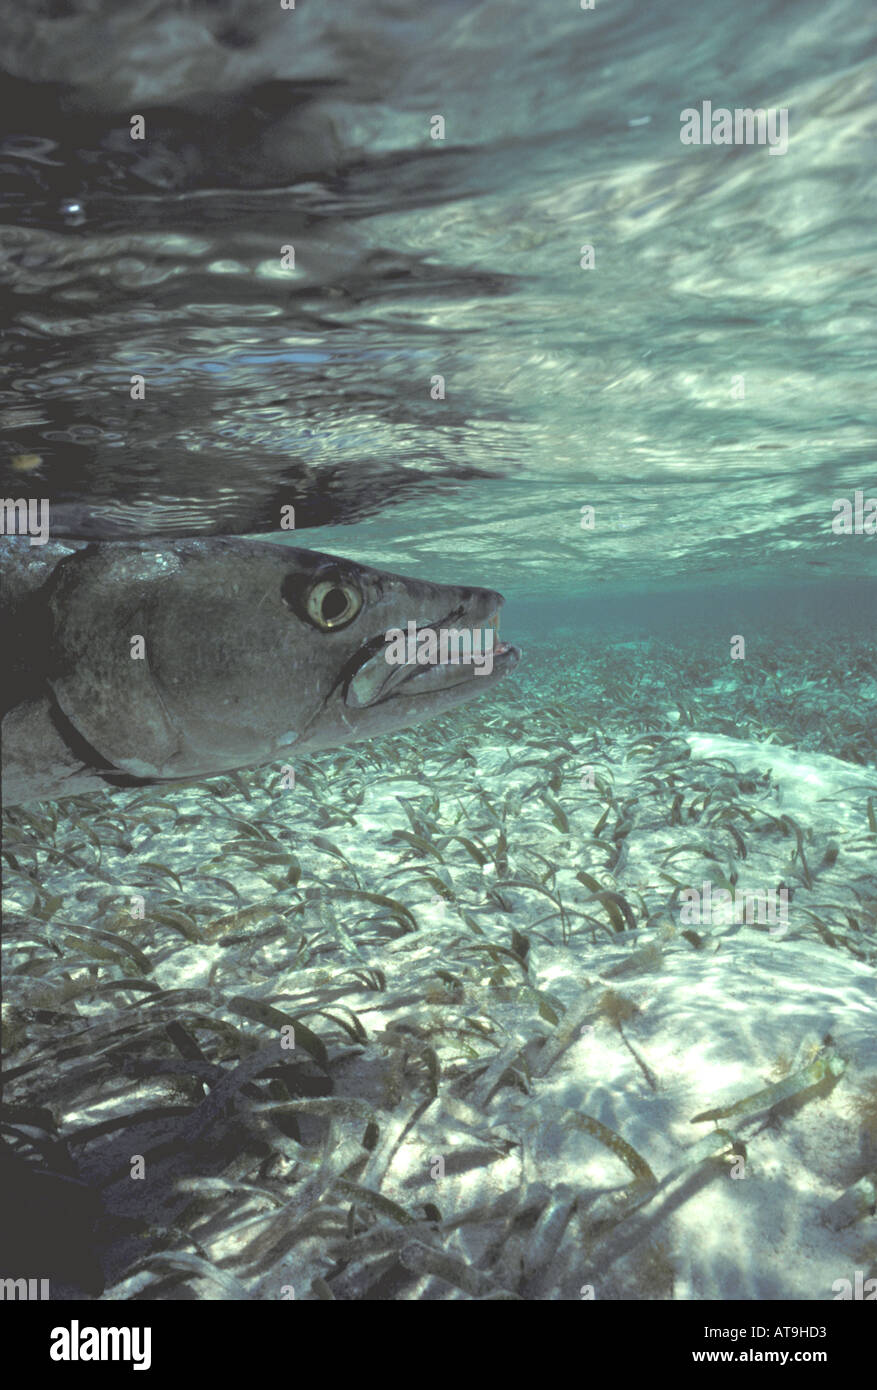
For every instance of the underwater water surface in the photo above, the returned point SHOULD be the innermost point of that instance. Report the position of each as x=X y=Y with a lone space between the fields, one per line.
x=568 y=993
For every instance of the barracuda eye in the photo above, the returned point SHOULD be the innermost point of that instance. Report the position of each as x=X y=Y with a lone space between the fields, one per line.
x=332 y=603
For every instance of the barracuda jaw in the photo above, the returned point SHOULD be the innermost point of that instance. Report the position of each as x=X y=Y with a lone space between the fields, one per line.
x=376 y=678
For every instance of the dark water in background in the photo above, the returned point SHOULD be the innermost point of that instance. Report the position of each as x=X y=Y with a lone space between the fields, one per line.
x=611 y=386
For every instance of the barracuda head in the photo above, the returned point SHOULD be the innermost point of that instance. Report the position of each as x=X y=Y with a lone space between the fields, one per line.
x=185 y=658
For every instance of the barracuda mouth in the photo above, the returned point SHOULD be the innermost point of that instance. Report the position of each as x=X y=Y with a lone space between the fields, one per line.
x=426 y=659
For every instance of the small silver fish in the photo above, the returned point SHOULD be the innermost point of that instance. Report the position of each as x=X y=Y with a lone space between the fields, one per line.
x=133 y=662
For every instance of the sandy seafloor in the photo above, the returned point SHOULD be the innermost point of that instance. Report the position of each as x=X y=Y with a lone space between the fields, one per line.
x=503 y=1028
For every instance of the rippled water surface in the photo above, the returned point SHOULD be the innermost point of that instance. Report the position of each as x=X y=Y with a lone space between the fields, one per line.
x=707 y=385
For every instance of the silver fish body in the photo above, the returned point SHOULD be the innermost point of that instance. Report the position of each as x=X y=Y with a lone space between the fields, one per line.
x=131 y=662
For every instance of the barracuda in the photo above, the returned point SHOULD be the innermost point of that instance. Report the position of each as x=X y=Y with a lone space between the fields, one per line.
x=130 y=662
